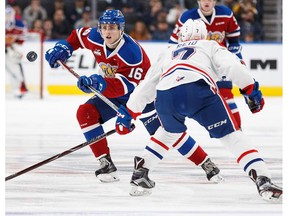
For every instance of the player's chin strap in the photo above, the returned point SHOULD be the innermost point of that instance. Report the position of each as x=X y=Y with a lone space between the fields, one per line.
x=117 y=41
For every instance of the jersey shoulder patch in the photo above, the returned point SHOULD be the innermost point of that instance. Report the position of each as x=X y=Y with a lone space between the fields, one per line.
x=131 y=52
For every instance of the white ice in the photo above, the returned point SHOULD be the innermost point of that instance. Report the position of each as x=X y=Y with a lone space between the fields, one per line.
x=39 y=129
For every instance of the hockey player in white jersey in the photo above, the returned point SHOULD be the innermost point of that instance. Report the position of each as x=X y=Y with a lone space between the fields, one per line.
x=183 y=81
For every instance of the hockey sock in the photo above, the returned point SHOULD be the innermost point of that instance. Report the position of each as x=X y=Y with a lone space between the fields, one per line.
x=247 y=156
x=88 y=118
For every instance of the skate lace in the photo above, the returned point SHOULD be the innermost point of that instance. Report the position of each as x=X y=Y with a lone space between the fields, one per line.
x=104 y=163
x=208 y=166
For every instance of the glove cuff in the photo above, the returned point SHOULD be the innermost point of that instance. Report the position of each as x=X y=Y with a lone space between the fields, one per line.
x=247 y=90
x=133 y=115
x=66 y=46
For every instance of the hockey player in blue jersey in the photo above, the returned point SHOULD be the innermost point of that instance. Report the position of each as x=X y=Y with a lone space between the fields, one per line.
x=183 y=81
x=123 y=63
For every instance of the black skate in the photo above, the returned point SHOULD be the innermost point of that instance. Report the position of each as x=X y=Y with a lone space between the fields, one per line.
x=267 y=190
x=140 y=181
x=212 y=171
x=107 y=172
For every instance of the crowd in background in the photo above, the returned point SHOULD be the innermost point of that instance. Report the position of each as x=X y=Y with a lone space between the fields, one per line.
x=145 y=20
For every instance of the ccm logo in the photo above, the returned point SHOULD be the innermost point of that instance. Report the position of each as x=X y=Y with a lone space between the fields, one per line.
x=217 y=124
x=150 y=120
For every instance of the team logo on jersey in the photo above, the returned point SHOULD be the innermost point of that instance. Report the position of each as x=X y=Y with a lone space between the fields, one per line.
x=217 y=36
x=179 y=78
x=108 y=69
x=97 y=52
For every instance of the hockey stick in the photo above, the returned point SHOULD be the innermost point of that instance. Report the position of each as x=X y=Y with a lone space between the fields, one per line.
x=41 y=163
x=102 y=97
x=98 y=94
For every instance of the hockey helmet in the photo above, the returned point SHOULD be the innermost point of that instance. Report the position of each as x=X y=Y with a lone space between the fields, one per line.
x=192 y=30
x=112 y=17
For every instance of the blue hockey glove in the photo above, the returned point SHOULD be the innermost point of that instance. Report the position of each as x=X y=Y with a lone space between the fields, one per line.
x=96 y=81
x=123 y=121
x=61 y=51
x=235 y=48
x=254 y=100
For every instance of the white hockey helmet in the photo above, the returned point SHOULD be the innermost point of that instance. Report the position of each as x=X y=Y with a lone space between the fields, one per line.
x=192 y=30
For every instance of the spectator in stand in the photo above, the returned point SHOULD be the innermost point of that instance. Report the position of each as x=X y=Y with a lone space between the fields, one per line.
x=162 y=32
x=174 y=13
x=61 y=26
x=37 y=27
x=248 y=25
x=47 y=28
x=140 y=31
x=34 y=11
x=230 y=3
x=244 y=6
x=150 y=16
x=75 y=13
x=86 y=20
x=57 y=4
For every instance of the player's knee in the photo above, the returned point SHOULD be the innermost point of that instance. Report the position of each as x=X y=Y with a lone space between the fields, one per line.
x=87 y=115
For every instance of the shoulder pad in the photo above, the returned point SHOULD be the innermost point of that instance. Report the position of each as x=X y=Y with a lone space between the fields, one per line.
x=95 y=36
x=223 y=10
x=131 y=51
x=189 y=14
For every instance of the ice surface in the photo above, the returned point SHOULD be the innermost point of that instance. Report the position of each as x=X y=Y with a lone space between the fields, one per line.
x=39 y=129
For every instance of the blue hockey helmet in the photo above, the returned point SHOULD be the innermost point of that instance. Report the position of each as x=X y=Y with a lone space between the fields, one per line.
x=112 y=17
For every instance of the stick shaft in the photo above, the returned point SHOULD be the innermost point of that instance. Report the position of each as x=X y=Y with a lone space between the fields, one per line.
x=48 y=160
x=102 y=97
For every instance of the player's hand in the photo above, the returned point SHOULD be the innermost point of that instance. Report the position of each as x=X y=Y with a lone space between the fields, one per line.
x=253 y=97
x=123 y=121
x=235 y=48
x=61 y=51
x=96 y=81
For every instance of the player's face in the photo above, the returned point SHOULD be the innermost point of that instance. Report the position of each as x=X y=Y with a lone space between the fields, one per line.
x=206 y=6
x=110 y=33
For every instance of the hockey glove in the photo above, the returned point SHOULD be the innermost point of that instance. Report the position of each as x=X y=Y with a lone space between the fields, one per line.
x=123 y=121
x=61 y=51
x=253 y=97
x=96 y=81
x=235 y=48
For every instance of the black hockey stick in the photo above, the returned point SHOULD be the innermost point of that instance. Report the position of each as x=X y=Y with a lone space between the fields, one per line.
x=41 y=163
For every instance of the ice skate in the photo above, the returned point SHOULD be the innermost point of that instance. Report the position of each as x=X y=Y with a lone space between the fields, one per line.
x=212 y=171
x=22 y=91
x=107 y=172
x=141 y=184
x=267 y=190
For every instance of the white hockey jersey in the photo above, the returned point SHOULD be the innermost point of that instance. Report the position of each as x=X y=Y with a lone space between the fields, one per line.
x=188 y=62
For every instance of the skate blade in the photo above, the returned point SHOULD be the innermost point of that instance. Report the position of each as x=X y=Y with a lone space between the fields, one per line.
x=108 y=177
x=268 y=196
x=139 y=191
x=217 y=179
